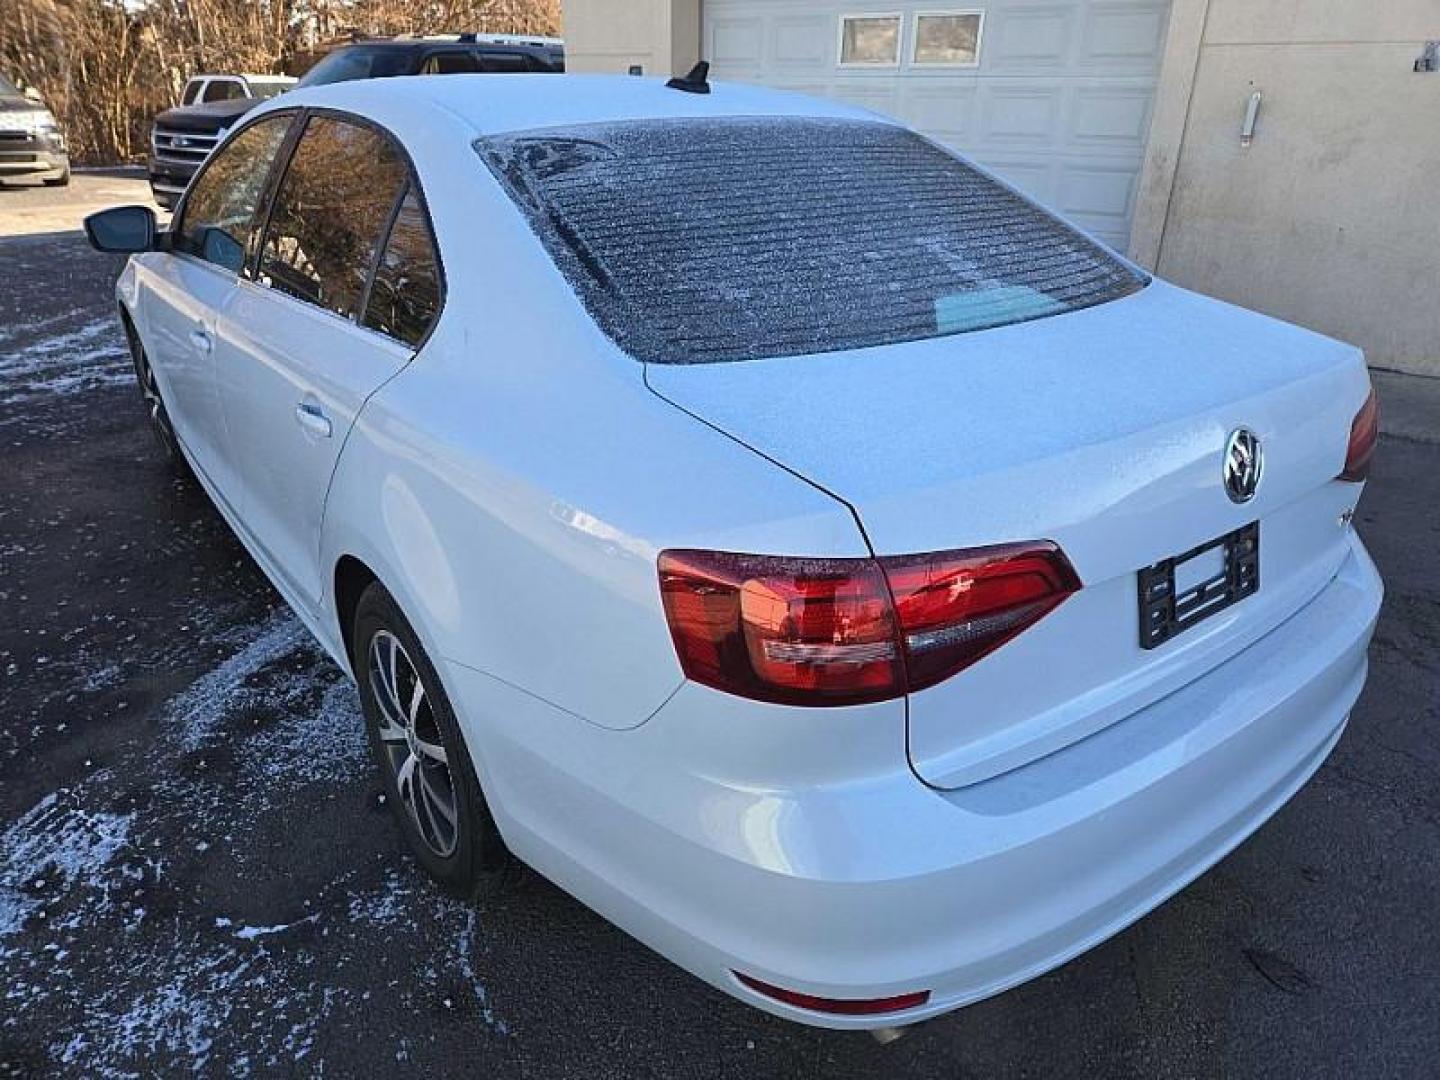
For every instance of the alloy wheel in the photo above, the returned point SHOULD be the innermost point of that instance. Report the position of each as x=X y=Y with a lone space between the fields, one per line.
x=155 y=407
x=411 y=740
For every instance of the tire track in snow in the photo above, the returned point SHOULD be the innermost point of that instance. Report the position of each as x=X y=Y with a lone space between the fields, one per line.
x=91 y=356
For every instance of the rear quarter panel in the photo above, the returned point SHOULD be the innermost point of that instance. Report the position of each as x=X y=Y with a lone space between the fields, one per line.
x=514 y=485
x=518 y=519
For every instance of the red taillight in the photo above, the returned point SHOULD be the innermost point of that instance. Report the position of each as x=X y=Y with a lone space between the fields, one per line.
x=958 y=606
x=846 y=631
x=837 y=1006
x=797 y=631
x=1364 y=433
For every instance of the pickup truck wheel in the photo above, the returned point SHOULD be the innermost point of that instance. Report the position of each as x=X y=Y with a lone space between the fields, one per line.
x=429 y=777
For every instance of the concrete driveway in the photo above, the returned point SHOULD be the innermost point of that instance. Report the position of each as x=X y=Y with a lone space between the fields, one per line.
x=197 y=875
x=27 y=208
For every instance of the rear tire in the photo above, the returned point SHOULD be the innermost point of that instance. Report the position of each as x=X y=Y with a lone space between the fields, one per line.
x=429 y=777
x=159 y=416
x=156 y=411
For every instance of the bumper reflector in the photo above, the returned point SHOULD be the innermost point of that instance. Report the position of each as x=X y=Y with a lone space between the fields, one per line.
x=837 y=1006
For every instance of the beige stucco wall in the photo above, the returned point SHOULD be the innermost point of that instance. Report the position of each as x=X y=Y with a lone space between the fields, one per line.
x=1331 y=218
x=663 y=36
x=1167 y=128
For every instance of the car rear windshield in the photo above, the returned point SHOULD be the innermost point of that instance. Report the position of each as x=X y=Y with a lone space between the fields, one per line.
x=699 y=241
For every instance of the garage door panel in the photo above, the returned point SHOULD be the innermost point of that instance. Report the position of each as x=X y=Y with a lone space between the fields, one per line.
x=1028 y=38
x=802 y=43
x=943 y=110
x=818 y=89
x=879 y=95
x=1059 y=103
x=1124 y=36
x=1115 y=118
x=1027 y=115
x=738 y=45
x=813 y=89
x=1035 y=176
x=1097 y=196
x=1115 y=241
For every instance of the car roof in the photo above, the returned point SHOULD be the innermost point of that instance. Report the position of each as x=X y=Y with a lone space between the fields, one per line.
x=494 y=104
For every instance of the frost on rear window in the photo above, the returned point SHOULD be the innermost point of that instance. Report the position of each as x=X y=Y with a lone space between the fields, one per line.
x=698 y=241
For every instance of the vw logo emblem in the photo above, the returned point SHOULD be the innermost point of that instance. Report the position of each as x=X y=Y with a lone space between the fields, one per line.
x=1244 y=462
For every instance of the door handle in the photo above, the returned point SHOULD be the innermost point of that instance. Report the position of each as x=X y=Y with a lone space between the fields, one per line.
x=313 y=419
x=201 y=341
x=1252 y=113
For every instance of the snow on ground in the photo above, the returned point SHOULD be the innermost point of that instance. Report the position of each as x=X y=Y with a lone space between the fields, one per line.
x=83 y=883
x=197 y=712
x=32 y=366
x=58 y=846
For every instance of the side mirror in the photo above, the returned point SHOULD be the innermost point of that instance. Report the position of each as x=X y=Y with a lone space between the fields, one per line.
x=33 y=94
x=219 y=247
x=125 y=230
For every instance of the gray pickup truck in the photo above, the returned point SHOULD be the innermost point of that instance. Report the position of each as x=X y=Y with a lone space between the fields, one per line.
x=31 y=143
x=182 y=137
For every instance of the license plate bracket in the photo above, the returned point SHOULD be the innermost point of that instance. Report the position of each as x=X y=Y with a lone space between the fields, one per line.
x=1167 y=610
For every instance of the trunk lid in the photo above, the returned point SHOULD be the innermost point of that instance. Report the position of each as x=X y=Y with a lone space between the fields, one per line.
x=1102 y=430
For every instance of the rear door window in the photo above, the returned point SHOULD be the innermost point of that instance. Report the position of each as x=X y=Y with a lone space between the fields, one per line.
x=694 y=241
x=450 y=63
x=405 y=295
x=330 y=212
x=502 y=61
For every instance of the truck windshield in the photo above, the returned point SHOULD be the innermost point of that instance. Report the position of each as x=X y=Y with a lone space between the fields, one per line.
x=358 y=62
x=694 y=241
x=268 y=88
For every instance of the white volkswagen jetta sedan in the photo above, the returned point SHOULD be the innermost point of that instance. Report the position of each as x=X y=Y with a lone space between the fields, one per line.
x=843 y=574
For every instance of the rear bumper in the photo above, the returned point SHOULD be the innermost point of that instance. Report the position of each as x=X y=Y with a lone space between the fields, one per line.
x=882 y=886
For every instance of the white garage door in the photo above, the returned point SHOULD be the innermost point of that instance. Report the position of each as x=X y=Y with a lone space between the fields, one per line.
x=1054 y=96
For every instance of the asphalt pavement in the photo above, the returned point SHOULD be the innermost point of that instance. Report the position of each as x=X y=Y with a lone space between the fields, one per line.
x=197 y=874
